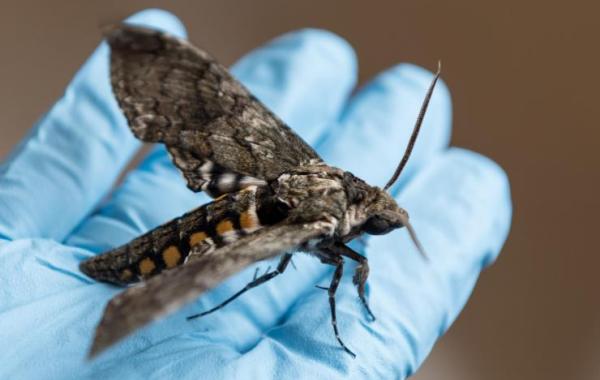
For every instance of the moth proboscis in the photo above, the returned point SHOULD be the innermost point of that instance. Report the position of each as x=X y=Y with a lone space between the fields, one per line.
x=273 y=194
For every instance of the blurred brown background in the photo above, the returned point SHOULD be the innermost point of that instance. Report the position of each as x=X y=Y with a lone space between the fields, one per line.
x=523 y=76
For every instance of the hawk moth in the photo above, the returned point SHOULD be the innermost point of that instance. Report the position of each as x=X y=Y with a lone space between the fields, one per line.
x=273 y=195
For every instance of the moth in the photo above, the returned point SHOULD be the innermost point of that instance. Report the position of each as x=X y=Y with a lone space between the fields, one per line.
x=273 y=194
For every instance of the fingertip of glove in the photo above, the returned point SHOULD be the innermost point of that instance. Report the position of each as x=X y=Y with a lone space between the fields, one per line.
x=493 y=185
x=159 y=19
x=484 y=168
x=324 y=45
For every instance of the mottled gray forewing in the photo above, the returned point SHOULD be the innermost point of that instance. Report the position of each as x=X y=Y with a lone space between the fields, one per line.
x=175 y=93
x=139 y=305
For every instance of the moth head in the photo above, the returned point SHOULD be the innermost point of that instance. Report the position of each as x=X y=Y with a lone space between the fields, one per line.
x=385 y=216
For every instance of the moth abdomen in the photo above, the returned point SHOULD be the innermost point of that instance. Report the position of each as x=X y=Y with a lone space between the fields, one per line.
x=112 y=266
x=206 y=228
x=141 y=258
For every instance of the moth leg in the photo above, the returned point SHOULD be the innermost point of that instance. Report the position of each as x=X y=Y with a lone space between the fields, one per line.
x=360 y=274
x=258 y=270
x=283 y=263
x=335 y=281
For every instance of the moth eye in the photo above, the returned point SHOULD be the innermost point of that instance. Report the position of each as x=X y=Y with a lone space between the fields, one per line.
x=377 y=225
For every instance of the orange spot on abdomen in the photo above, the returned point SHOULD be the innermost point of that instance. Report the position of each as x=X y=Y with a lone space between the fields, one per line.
x=224 y=226
x=197 y=237
x=248 y=221
x=171 y=256
x=126 y=275
x=146 y=266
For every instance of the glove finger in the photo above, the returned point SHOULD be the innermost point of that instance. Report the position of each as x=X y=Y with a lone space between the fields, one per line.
x=378 y=121
x=72 y=157
x=289 y=75
x=461 y=208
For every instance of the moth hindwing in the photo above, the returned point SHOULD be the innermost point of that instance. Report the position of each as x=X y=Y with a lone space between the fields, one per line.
x=273 y=193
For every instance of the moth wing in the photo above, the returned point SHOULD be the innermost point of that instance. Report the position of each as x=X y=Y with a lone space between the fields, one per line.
x=177 y=94
x=160 y=295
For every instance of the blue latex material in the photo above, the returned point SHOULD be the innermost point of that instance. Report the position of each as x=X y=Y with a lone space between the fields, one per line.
x=54 y=212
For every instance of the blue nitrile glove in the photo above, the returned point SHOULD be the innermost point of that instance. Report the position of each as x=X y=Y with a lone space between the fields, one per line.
x=54 y=213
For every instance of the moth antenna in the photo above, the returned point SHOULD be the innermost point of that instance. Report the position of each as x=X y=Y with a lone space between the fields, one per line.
x=416 y=129
x=413 y=237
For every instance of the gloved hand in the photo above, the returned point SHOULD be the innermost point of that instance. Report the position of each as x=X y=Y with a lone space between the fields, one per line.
x=54 y=212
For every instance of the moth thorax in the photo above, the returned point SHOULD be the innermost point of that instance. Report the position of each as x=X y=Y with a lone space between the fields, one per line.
x=353 y=217
x=307 y=184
